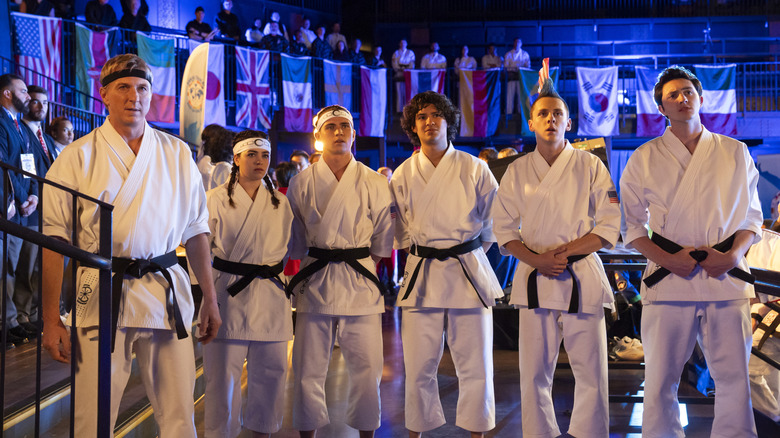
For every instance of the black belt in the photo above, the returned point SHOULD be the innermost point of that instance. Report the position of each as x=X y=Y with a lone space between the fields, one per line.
x=672 y=248
x=248 y=272
x=349 y=256
x=137 y=268
x=426 y=252
x=574 y=301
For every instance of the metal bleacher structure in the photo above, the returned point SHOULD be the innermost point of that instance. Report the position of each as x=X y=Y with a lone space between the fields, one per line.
x=38 y=402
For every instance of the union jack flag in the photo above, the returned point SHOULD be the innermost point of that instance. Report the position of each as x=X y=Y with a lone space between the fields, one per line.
x=37 y=47
x=253 y=92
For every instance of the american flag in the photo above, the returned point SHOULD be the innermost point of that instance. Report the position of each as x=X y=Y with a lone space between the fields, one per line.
x=253 y=92
x=37 y=47
x=613 y=197
x=544 y=72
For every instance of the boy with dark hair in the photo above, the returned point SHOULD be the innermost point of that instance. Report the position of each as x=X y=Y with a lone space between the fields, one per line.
x=449 y=287
x=696 y=285
x=555 y=208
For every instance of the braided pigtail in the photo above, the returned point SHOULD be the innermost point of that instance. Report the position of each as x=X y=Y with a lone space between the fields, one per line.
x=270 y=186
x=232 y=184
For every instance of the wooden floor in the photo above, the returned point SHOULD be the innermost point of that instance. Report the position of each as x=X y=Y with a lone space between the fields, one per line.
x=507 y=387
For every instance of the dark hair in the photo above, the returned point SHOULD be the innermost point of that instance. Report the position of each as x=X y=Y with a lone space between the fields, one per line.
x=670 y=74
x=284 y=173
x=55 y=124
x=776 y=226
x=488 y=154
x=217 y=143
x=243 y=135
x=36 y=89
x=7 y=79
x=300 y=153
x=450 y=112
x=199 y=9
x=548 y=90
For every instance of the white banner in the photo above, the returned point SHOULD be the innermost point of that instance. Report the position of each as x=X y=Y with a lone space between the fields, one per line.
x=598 y=98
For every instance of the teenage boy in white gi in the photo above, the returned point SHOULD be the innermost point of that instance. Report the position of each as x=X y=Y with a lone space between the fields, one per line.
x=159 y=202
x=342 y=227
x=444 y=198
x=696 y=192
x=556 y=206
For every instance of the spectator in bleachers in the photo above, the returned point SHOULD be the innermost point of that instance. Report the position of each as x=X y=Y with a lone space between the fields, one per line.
x=433 y=59
x=488 y=154
x=43 y=8
x=197 y=29
x=355 y=56
x=319 y=47
x=376 y=60
x=254 y=34
x=274 y=41
x=403 y=59
x=227 y=22
x=133 y=19
x=335 y=36
x=507 y=152
x=100 y=12
x=491 y=59
x=308 y=34
x=300 y=158
x=296 y=46
x=341 y=53
x=280 y=29
x=64 y=8
x=61 y=130
x=465 y=62
x=514 y=60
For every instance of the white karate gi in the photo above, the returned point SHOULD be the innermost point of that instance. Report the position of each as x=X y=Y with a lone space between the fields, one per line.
x=552 y=206
x=764 y=378
x=331 y=214
x=513 y=61
x=256 y=323
x=441 y=207
x=401 y=60
x=433 y=61
x=159 y=202
x=696 y=200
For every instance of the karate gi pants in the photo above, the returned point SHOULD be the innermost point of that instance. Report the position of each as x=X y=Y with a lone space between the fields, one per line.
x=266 y=368
x=585 y=339
x=512 y=95
x=765 y=379
x=469 y=335
x=669 y=333
x=360 y=340
x=167 y=368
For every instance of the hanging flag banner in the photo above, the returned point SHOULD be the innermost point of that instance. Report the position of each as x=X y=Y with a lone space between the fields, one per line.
x=598 y=101
x=418 y=81
x=296 y=89
x=92 y=52
x=338 y=83
x=215 y=87
x=194 y=86
x=373 y=101
x=649 y=121
x=480 y=96
x=37 y=46
x=719 y=109
x=529 y=91
x=160 y=56
x=253 y=90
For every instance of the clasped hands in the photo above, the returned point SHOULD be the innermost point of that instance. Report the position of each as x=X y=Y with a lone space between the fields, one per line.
x=714 y=262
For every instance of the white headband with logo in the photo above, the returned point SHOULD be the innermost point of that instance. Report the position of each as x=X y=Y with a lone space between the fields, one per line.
x=339 y=111
x=251 y=143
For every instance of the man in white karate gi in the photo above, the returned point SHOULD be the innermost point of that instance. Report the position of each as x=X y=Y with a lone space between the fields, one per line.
x=342 y=226
x=403 y=59
x=696 y=193
x=444 y=197
x=159 y=202
x=556 y=206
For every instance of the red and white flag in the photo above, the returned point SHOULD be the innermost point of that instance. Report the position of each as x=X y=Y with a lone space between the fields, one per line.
x=373 y=101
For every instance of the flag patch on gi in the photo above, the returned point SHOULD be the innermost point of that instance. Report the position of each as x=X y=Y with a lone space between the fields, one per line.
x=613 y=197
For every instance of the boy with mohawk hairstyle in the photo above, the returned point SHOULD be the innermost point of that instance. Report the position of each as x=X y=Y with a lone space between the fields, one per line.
x=555 y=207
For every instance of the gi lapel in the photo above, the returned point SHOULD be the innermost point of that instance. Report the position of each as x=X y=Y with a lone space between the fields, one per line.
x=136 y=165
x=243 y=250
x=334 y=211
x=436 y=185
x=687 y=186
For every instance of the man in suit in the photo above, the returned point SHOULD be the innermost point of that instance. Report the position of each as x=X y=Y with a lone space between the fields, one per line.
x=15 y=150
x=42 y=148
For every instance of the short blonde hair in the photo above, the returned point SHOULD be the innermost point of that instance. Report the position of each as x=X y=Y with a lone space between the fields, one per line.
x=124 y=62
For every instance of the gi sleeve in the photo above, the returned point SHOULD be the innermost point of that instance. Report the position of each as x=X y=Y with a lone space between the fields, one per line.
x=755 y=217
x=197 y=211
x=605 y=205
x=57 y=210
x=486 y=193
x=400 y=199
x=633 y=203
x=507 y=210
x=297 y=247
x=382 y=217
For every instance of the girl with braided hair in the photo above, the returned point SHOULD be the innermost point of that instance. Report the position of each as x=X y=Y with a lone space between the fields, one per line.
x=250 y=226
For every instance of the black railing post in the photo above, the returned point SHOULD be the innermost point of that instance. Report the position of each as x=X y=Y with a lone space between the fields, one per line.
x=105 y=337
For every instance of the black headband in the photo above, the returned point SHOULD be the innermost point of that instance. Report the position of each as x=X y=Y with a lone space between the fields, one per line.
x=135 y=73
